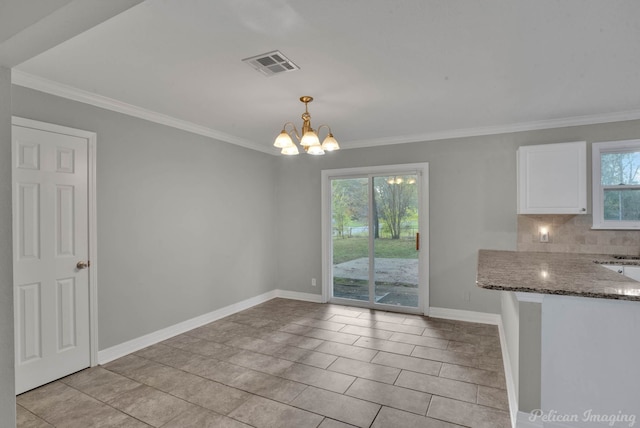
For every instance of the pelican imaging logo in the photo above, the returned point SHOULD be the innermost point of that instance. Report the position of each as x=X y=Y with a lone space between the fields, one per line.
x=619 y=419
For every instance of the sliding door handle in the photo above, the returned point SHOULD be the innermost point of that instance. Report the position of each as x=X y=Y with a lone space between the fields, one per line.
x=417 y=241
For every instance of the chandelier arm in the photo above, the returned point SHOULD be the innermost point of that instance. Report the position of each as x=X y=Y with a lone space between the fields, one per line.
x=294 y=130
x=326 y=126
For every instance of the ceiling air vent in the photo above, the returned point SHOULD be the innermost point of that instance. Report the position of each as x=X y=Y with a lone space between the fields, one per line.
x=271 y=63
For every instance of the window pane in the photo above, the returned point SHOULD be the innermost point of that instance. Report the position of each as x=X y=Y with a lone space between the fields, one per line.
x=395 y=201
x=350 y=224
x=620 y=168
x=622 y=205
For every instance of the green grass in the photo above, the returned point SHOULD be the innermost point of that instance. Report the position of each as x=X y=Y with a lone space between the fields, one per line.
x=354 y=248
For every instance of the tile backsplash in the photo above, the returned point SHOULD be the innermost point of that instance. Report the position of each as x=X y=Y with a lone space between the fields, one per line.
x=573 y=234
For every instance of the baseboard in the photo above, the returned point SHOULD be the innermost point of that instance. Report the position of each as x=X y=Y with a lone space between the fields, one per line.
x=460 y=315
x=139 y=343
x=296 y=295
x=517 y=420
x=117 y=351
x=134 y=345
x=508 y=374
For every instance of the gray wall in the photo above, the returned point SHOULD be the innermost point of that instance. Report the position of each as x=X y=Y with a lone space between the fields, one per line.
x=7 y=375
x=472 y=188
x=181 y=216
x=472 y=206
x=185 y=223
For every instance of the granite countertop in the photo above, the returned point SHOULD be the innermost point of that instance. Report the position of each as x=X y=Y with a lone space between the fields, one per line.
x=556 y=273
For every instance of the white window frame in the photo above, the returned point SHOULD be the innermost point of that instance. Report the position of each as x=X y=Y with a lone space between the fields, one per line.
x=597 y=149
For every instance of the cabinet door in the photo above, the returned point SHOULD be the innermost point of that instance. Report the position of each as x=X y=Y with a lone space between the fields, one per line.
x=552 y=179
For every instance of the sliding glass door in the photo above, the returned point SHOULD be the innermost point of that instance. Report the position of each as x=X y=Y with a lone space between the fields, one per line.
x=373 y=222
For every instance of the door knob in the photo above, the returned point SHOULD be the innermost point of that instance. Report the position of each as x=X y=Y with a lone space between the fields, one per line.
x=82 y=264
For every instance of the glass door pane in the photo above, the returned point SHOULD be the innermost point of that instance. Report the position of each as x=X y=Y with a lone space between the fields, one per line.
x=395 y=227
x=350 y=237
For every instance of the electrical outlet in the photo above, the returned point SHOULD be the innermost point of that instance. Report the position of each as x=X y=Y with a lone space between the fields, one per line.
x=313 y=282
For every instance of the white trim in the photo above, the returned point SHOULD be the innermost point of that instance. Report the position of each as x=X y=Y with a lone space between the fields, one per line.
x=495 y=319
x=379 y=306
x=93 y=247
x=326 y=252
x=529 y=297
x=508 y=374
x=296 y=295
x=92 y=141
x=26 y=80
x=469 y=316
x=496 y=130
x=41 y=84
x=423 y=256
x=51 y=127
x=141 y=342
x=597 y=149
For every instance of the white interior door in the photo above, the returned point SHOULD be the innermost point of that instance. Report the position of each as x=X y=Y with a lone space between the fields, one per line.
x=51 y=237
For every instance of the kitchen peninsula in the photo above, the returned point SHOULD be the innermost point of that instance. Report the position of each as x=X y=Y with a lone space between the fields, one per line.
x=556 y=273
x=572 y=333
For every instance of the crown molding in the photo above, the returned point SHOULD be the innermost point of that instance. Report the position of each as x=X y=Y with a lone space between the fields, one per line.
x=37 y=83
x=498 y=129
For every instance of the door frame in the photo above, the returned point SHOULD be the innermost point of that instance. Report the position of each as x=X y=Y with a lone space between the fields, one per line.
x=91 y=138
x=421 y=169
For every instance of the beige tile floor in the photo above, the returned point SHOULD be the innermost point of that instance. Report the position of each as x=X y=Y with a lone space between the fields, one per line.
x=288 y=363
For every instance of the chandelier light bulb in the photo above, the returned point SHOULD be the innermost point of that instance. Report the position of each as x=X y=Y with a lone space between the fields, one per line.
x=309 y=139
x=283 y=140
x=315 y=150
x=290 y=150
x=330 y=144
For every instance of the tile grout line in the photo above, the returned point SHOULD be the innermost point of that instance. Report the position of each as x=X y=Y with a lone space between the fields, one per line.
x=229 y=386
x=261 y=331
x=122 y=393
x=35 y=414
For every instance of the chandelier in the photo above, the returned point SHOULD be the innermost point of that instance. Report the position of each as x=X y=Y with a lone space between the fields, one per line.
x=309 y=139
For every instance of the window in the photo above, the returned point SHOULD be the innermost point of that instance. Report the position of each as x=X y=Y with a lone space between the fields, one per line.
x=616 y=185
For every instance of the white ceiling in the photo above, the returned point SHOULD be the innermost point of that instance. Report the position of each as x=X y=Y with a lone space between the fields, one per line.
x=381 y=71
x=30 y=27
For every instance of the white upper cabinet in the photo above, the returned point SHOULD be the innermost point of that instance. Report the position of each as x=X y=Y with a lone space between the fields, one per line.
x=552 y=179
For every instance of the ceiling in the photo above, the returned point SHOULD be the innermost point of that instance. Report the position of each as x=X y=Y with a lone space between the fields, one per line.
x=381 y=71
